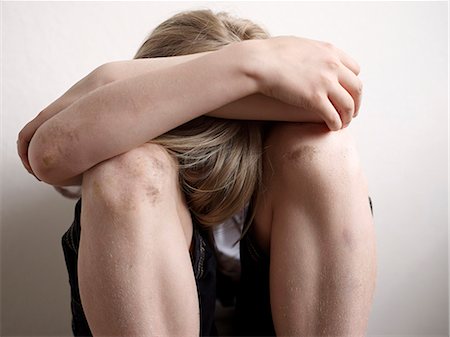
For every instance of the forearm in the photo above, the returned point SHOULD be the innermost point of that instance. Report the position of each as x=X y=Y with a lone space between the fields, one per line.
x=253 y=107
x=103 y=123
x=120 y=70
x=262 y=107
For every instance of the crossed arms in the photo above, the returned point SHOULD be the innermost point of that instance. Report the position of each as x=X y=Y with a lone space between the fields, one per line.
x=122 y=105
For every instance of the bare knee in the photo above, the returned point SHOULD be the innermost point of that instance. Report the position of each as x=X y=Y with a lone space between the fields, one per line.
x=145 y=174
x=317 y=175
x=310 y=153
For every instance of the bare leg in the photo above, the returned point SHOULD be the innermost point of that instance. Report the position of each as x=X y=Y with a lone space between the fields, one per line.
x=314 y=218
x=135 y=273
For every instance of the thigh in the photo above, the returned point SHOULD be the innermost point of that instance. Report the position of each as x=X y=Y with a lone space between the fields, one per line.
x=253 y=303
x=125 y=176
x=253 y=308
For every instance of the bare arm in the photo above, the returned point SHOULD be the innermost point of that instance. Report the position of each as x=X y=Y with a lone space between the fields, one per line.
x=127 y=113
x=253 y=107
x=161 y=100
x=100 y=76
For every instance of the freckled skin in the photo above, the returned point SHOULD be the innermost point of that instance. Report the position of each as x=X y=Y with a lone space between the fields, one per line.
x=148 y=171
x=134 y=267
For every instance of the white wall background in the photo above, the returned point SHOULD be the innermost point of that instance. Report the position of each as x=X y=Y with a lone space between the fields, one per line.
x=402 y=132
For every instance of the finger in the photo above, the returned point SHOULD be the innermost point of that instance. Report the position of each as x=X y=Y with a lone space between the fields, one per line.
x=343 y=103
x=329 y=114
x=349 y=62
x=353 y=85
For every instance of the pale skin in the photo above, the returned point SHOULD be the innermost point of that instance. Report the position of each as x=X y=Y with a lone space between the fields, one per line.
x=313 y=217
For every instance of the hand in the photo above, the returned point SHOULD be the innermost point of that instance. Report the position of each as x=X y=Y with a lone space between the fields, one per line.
x=94 y=80
x=311 y=75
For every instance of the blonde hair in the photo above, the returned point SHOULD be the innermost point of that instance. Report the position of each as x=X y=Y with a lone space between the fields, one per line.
x=219 y=159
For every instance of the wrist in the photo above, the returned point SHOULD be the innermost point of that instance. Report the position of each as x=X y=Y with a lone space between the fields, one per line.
x=253 y=62
x=248 y=56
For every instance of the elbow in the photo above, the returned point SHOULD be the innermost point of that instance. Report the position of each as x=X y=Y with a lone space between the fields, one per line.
x=43 y=160
x=46 y=160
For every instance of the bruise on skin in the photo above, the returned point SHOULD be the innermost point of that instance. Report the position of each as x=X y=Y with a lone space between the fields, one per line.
x=306 y=152
x=96 y=187
x=56 y=139
x=157 y=164
x=142 y=179
x=152 y=193
x=48 y=160
x=151 y=173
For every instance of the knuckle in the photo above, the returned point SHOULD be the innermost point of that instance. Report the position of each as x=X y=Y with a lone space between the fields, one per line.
x=333 y=63
x=347 y=112
x=334 y=125
x=326 y=79
x=332 y=120
x=316 y=97
x=328 y=45
x=360 y=87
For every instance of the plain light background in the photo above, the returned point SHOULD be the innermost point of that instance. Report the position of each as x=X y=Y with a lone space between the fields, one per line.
x=402 y=48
